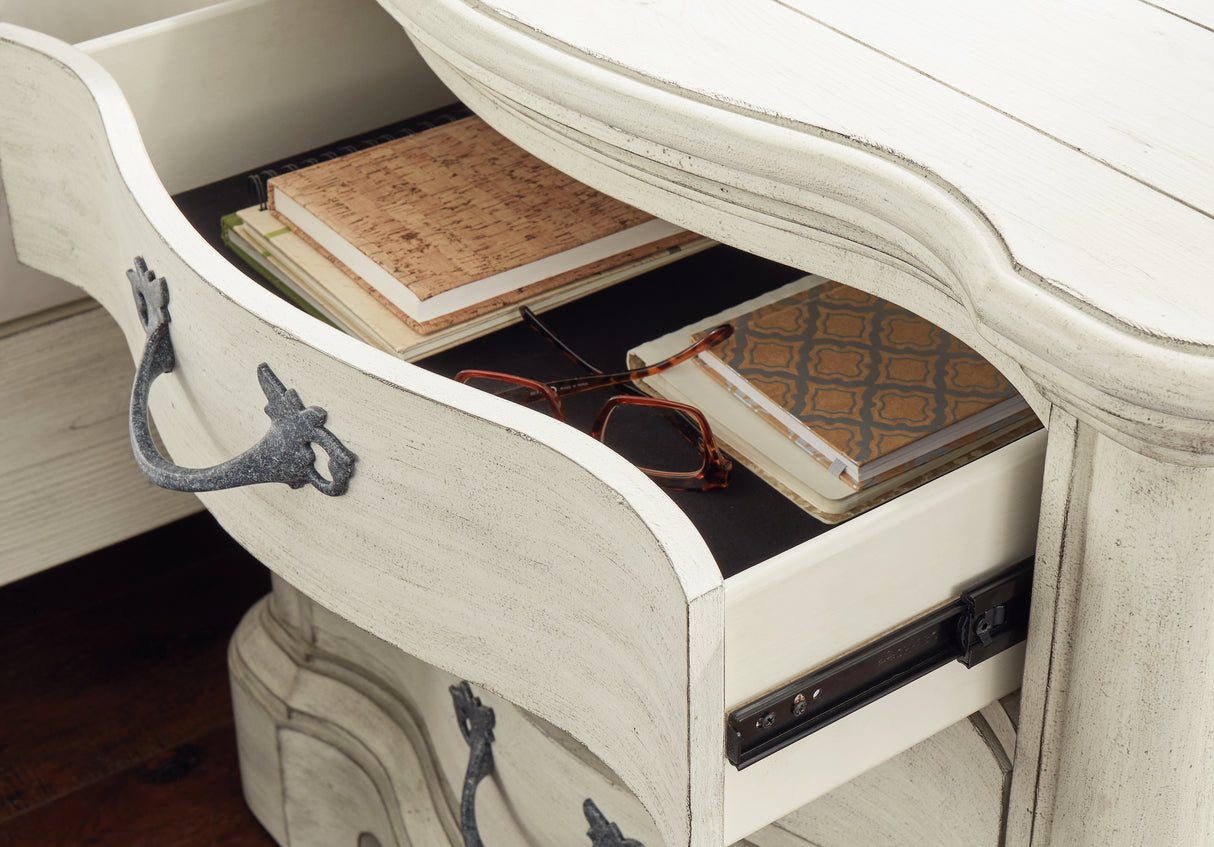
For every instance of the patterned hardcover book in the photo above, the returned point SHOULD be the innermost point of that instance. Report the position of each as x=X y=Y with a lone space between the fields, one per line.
x=865 y=386
x=456 y=221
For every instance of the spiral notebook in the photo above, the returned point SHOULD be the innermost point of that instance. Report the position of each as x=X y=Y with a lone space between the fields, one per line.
x=765 y=448
x=866 y=387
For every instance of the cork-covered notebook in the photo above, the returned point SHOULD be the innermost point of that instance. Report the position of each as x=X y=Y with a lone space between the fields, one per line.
x=456 y=221
x=866 y=387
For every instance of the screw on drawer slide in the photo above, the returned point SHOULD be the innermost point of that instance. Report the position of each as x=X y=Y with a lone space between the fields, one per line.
x=970 y=629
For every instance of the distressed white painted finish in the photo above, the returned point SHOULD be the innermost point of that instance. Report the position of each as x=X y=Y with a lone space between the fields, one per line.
x=1069 y=245
x=807 y=605
x=1117 y=732
x=73 y=21
x=216 y=87
x=764 y=791
x=388 y=720
x=947 y=791
x=340 y=733
x=232 y=85
x=222 y=86
x=68 y=483
x=761 y=126
x=1040 y=183
x=1035 y=178
x=23 y=290
x=594 y=604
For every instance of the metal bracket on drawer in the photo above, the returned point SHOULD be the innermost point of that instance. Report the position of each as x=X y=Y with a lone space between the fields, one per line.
x=476 y=725
x=969 y=629
x=284 y=454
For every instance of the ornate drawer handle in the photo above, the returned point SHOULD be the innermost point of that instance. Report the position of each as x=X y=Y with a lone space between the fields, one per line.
x=476 y=724
x=284 y=454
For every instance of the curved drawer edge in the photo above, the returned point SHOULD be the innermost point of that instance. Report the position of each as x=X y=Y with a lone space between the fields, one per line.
x=823 y=201
x=593 y=604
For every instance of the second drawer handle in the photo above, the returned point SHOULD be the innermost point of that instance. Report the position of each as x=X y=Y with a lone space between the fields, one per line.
x=284 y=454
x=476 y=725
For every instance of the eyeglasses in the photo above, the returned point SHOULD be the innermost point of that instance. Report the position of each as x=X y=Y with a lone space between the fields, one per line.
x=670 y=442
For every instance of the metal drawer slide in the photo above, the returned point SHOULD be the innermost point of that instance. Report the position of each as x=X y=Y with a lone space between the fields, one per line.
x=970 y=629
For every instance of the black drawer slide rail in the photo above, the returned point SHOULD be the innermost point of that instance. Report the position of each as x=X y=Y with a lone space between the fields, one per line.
x=970 y=629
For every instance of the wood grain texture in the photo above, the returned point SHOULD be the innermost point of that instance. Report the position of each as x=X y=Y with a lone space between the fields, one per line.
x=117 y=719
x=441 y=551
x=134 y=807
x=1045 y=216
x=280 y=60
x=1078 y=284
x=1125 y=102
x=351 y=704
x=251 y=81
x=946 y=791
x=68 y=484
x=1116 y=727
x=809 y=146
x=23 y=290
x=367 y=743
x=1063 y=241
x=984 y=144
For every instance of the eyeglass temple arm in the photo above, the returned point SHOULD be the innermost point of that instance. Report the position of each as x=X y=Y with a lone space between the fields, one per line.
x=533 y=320
x=573 y=385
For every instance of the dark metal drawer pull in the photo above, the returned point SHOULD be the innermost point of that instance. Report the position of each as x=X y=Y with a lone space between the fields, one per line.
x=284 y=454
x=476 y=724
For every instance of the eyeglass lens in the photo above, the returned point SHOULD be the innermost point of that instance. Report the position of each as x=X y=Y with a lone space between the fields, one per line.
x=653 y=439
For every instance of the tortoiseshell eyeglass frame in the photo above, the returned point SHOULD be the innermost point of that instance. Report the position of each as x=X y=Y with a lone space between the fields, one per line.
x=714 y=471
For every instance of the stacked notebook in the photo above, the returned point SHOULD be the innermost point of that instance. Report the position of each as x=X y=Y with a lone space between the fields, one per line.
x=427 y=240
x=839 y=398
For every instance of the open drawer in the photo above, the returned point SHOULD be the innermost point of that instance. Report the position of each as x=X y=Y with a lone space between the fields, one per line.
x=223 y=85
x=489 y=541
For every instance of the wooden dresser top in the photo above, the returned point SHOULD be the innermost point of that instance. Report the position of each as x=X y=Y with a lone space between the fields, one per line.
x=1046 y=166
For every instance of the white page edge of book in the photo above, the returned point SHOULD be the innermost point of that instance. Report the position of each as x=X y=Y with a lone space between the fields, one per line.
x=332 y=309
x=779 y=462
x=312 y=272
x=268 y=265
x=477 y=291
x=382 y=328
x=771 y=455
x=797 y=433
x=807 y=439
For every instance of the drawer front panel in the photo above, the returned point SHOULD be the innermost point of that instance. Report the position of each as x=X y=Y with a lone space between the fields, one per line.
x=452 y=542
x=396 y=718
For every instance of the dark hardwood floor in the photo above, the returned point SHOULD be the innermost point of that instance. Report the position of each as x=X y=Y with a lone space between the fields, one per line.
x=115 y=714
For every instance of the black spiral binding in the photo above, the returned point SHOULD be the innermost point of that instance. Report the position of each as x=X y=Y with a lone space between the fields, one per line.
x=411 y=126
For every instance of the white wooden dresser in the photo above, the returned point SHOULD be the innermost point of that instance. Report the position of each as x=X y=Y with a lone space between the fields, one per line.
x=1034 y=178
